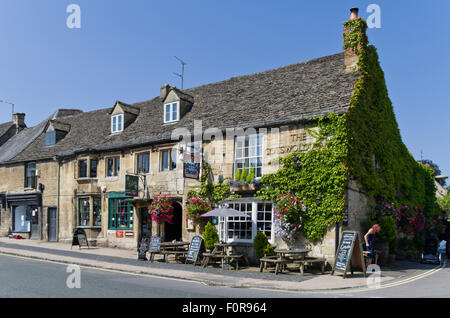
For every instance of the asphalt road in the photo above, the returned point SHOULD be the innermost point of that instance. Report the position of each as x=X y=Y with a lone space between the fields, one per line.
x=27 y=278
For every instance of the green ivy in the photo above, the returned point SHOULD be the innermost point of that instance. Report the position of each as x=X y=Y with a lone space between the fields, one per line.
x=364 y=144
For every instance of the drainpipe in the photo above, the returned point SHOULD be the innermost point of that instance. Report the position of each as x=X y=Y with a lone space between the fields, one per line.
x=58 y=161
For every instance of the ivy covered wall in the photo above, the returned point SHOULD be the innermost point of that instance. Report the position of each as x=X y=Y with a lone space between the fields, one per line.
x=364 y=144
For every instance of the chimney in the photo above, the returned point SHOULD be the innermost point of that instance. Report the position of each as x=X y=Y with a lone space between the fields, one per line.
x=165 y=91
x=354 y=13
x=19 y=121
x=354 y=38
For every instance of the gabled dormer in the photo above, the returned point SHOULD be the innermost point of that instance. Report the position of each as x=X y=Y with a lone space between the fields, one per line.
x=55 y=132
x=176 y=104
x=122 y=115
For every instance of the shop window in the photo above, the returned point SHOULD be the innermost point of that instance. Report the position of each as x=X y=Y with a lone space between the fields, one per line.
x=258 y=218
x=121 y=214
x=84 y=212
x=97 y=212
x=22 y=219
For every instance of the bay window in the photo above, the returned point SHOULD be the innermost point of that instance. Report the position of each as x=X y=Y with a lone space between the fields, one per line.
x=248 y=153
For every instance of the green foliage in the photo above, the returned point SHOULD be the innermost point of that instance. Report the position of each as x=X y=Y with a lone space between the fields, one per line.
x=210 y=236
x=321 y=172
x=444 y=203
x=261 y=244
x=244 y=176
x=364 y=144
x=237 y=176
x=269 y=250
x=251 y=175
x=388 y=232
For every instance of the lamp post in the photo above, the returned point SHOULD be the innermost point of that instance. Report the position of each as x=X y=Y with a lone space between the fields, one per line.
x=5 y=102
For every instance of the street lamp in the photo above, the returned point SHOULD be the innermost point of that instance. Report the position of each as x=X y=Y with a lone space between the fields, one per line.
x=5 y=102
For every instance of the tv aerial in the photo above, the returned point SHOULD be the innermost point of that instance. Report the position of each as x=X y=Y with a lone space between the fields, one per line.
x=183 y=64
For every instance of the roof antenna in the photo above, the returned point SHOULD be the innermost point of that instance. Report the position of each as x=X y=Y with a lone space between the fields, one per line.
x=183 y=64
x=12 y=106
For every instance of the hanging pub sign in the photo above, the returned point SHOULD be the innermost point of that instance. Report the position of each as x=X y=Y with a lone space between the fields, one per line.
x=191 y=168
x=196 y=249
x=131 y=186
x=79 y=238
x=349 y=255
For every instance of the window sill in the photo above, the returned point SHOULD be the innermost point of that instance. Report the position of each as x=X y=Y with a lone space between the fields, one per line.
x=90 y=227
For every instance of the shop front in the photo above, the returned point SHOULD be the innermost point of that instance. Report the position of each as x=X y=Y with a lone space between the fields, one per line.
x=25 y=215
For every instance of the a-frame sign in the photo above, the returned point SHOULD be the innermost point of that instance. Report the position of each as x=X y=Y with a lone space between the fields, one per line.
x=349 y=255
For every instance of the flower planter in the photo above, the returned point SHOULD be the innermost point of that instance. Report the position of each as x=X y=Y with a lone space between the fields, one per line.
x=244 y=188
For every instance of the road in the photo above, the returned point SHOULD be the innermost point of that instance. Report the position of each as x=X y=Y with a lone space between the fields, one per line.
x=27 y=278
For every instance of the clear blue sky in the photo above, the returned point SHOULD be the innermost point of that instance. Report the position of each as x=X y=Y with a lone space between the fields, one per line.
x=124 y=51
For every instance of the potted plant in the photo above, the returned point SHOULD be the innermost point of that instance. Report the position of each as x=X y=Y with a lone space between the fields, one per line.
x=210 y=236
x=288 y=217
x=195 y=208
x=161 y=209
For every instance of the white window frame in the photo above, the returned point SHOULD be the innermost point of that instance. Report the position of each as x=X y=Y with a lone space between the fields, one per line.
x=243 y=157
x=254 y=219
x=171 y=112
x=171 y=152
x=115 y=129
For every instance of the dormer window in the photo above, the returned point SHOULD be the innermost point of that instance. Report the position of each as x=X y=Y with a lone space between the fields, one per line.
x=116 y=124
x=171 y=112
x=50 y=138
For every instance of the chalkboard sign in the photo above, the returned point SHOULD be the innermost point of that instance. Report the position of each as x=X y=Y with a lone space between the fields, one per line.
x=142 y=250
x=349 y=255
x=196 y=249
x=155 y=243
x=79 y=238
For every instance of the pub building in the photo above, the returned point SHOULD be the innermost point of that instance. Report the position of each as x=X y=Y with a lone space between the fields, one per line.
x=100 y=170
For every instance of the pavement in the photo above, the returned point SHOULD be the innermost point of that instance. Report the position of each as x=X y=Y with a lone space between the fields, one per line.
x=125 y=261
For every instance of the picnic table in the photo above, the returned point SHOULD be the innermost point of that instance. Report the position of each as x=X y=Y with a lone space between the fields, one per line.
x=224 y=252
x=295 y=256
x=178 y=249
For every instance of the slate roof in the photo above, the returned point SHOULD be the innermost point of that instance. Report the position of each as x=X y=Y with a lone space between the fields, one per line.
x=285 y=95
x=5 y=127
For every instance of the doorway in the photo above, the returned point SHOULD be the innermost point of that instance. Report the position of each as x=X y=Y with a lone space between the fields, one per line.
x=52 y=222
x=146 y=224
x=174 y=231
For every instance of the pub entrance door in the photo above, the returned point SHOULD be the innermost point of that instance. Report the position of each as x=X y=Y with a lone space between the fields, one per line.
x=174 y=231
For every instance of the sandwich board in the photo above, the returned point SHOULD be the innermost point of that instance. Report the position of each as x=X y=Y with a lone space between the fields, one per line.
x=349 y=255
x=196 y=249
x=79 y=238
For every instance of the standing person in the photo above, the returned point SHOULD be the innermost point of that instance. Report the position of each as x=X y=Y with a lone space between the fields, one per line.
x=369 y=239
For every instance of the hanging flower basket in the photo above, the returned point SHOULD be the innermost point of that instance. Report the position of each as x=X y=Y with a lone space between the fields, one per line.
x=195 y=208
x=161 y=210
x=288 y=217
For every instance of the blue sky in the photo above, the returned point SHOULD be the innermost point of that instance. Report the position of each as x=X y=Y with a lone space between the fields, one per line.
x=125 y=51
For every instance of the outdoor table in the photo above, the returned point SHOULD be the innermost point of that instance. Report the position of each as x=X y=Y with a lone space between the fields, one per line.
x=292 y=254
x=224 y=252
x=176 y=248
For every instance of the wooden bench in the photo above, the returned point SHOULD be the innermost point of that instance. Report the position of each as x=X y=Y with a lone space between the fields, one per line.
x=208 y=257
x=177 y=254
x=366 y=254
x=152 y=254
x=279 y=263
x=308 y=261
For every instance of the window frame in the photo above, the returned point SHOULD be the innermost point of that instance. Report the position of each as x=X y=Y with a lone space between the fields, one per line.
x=171 y=112
x=115 y=123
x=112 y=204
x=84 y=212
x=138 y=162
x=172 y=152
x=116 y=172
x=80 y=176
x=95 y=209
x=248 y=157
x=254 y=221
x=30 y=179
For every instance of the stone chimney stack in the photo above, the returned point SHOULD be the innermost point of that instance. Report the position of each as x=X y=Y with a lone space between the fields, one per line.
x=19 y=121
x=354 y=38
x=165 y=91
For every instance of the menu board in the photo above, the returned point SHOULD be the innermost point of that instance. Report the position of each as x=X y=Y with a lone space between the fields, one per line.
x=155 y=243
x=143 y=248
x=195 y=249
x=79 y=238
x=349 y=254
